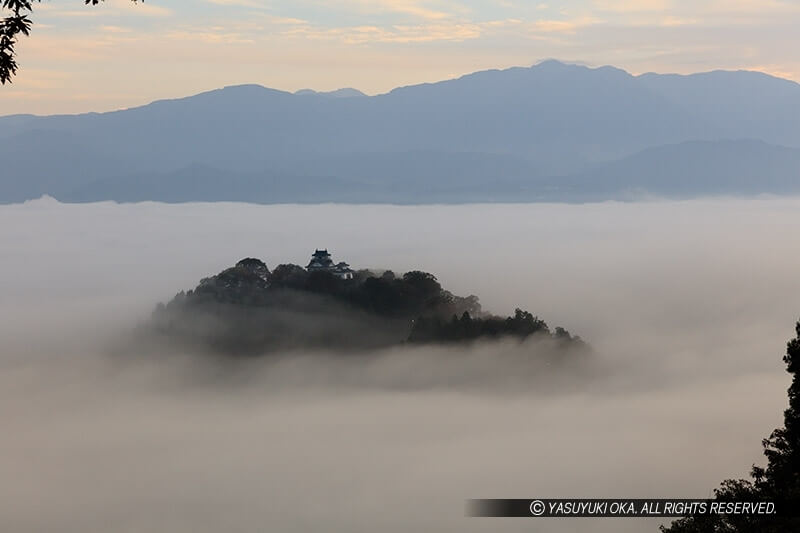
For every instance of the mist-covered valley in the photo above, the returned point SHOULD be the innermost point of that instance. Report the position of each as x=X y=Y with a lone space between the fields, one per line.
x=687 y=306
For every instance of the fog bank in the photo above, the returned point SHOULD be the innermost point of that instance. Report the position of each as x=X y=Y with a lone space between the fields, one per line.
x=687 y=304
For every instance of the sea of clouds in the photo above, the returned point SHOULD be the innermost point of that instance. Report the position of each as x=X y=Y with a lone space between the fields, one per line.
x=687 y=306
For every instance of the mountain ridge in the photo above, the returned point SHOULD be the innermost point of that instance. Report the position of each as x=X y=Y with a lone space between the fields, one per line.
x=545 y=63
x=535 y=123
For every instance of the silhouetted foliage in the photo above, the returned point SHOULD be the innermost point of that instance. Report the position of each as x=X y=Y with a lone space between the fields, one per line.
x=289 y=275
x=11 y=26
x=256 y=266
x=521 y=325
x=248 y=308
x=778 y=482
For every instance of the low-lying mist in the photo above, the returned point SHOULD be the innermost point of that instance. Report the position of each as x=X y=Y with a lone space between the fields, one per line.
x=687 y=306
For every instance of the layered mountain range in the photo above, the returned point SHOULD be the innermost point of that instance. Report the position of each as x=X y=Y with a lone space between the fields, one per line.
x=550 y=132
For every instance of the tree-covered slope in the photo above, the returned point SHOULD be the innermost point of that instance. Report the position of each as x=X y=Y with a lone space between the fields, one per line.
x=250 y=309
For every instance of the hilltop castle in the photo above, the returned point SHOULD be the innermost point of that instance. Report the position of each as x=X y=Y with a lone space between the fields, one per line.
x=321 y=261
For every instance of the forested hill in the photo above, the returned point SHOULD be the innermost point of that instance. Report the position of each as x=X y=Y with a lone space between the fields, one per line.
x=248 y=309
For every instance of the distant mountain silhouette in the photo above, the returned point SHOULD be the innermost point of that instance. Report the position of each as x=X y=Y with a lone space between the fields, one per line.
x=410 y=177
x=735 y=105
x=485 y=136
x=684 y=170
x=690 y=169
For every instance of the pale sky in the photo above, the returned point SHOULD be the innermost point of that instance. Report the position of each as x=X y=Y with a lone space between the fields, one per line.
x=82 y=58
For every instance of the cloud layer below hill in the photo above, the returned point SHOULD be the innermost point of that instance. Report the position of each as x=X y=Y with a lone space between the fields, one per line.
x=687 y=304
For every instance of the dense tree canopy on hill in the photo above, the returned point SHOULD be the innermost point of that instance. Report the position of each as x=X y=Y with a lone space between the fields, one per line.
x=247 y=308
x=11 y=26
x=778 y=482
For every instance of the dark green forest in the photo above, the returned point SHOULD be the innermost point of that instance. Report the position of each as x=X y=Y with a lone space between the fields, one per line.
x=249 y=309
